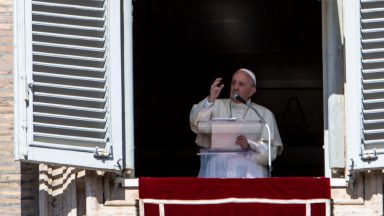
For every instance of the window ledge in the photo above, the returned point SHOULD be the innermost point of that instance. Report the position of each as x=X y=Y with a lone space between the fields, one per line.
x=130 y=183
x=338 y=182
x=134 y=182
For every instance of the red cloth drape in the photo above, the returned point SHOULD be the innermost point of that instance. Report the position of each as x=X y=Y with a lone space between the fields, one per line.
x=300 y=188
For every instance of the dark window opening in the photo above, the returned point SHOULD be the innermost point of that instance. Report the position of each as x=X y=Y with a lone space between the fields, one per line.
x=181 y=46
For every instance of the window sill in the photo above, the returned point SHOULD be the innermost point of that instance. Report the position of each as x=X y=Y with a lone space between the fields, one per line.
x=130 y=183
x=338 y=182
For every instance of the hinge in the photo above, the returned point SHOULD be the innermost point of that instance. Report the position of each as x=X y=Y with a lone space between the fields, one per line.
x=30 y=85
x=24 y=124
x=102 y=152
x=28 y=88
x=369 y=155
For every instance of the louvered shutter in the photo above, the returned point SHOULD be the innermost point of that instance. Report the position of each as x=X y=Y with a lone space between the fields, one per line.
x=73 y=80
x=370 y=152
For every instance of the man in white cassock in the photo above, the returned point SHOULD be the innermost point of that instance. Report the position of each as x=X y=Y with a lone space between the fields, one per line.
x=246 y=164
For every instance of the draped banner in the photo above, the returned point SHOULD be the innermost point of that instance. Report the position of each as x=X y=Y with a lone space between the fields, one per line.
x=211 y=196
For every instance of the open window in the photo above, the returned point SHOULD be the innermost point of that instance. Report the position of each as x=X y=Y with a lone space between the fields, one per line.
x=181 y=47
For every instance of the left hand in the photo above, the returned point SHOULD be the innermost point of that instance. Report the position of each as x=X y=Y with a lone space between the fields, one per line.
x=242 y=141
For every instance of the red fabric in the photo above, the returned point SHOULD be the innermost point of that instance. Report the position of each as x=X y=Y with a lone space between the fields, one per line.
x=209 y=188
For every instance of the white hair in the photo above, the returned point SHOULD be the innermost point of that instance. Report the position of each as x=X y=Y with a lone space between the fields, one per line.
x=250 y=73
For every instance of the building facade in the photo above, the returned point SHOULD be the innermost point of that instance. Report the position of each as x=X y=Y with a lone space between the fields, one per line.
x=81 y=166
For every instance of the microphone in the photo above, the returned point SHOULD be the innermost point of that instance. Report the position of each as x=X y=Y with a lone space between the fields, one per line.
x=242 y=100
x=239 y=98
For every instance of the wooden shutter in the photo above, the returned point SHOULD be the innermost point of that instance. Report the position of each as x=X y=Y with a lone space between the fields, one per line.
x=73 y=81
x=370 y=153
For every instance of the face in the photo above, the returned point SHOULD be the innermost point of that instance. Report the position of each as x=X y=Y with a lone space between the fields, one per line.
x=242 y=84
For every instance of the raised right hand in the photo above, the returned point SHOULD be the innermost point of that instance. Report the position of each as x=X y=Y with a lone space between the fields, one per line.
x=216 y=88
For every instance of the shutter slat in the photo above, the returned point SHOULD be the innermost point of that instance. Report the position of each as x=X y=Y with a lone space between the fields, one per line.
x=374 y=81
x=79 y=108
x=99 y=29
x=69 y=121
x=367 y=3
x=48 y=34
x=374 y=111
x=73 y=109
x=372 y=50
x=52 y=15
x=80 y=88
x=97 y=130
x=69 y=77
x=373 y=126
x=58 y=5
x=69 y=138
x=375 y=143
x=96 y=120
x=378 y=131
x=365 y=21
x=66 y=19
x=378 y=70
x=76 y=67
x=71 y=97
x=374 y=40
x=373 y=101
x=374 y=121
x=367 y=61
x=370 y=10
x=57 y=132
x=73 y=47
x=70 y=57
x=375 y=30
x=373 y=91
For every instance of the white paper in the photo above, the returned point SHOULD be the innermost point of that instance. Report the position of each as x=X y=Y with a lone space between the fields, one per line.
x=224 y=134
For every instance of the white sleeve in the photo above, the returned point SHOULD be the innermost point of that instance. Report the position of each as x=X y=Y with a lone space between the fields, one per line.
x=261 y=149
x=207 y=104
x=200 y=112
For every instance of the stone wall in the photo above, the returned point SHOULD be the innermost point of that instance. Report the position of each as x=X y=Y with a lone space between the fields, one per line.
x=18 y=181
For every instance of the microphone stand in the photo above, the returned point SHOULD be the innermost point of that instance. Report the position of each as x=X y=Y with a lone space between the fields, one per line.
x=269 y=139
x=237 y=97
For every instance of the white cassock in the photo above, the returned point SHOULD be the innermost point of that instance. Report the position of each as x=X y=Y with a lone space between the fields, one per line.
x=252 y=164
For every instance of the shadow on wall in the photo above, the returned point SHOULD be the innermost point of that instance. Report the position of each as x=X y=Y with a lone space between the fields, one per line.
x=29 y=189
